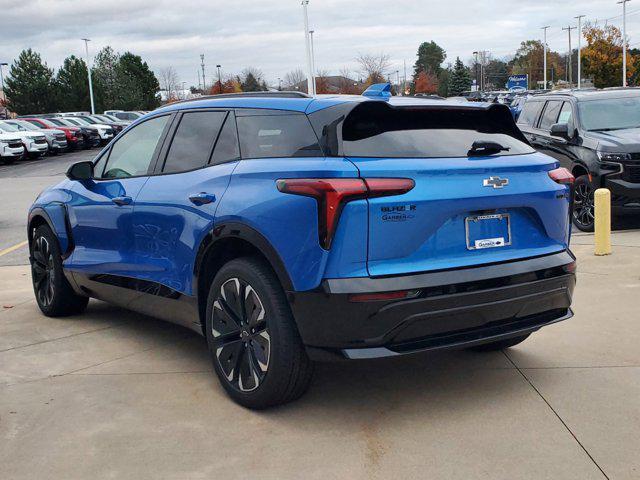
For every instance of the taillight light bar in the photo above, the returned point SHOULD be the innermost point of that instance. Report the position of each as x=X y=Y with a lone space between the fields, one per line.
x=562 y=176
x=333 y=193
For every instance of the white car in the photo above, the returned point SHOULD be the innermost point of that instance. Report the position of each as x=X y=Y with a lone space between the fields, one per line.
x=56 y=139
x=105 y=131
x=10 y=148
x=35 y=144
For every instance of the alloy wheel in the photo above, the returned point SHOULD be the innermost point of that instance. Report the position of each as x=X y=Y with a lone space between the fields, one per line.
x=42 y=267
x=241 y=335
x=583 y=206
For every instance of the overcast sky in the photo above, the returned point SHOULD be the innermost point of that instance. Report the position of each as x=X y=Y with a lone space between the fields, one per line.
x=269 y=34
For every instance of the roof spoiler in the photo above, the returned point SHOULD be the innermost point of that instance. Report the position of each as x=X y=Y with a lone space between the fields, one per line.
x=378 y=90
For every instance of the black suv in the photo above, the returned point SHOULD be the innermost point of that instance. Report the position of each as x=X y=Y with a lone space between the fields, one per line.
x=596 y=135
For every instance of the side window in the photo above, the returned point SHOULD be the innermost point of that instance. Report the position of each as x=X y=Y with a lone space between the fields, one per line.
x=566 y=116
x=550 y=115
x=268 y=136
x=530 y=112
x=193 y=141
x=227 y=149
x=131 y=155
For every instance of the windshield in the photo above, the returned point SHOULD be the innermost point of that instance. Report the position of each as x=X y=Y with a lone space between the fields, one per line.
x=76 y=121
x=24 y=126
x=87 y=120
x=5 y=127
x=610 y=114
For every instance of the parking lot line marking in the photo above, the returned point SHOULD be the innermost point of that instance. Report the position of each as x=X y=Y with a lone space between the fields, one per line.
x=13 y=248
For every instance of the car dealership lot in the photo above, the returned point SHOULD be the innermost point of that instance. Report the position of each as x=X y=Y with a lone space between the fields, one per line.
x=112 y=394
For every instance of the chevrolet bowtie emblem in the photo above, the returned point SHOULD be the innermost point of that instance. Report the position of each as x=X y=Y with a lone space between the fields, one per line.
x=495 y=182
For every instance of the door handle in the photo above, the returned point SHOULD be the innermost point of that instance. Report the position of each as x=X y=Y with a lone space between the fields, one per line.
x=121 y=201
x=202 y=198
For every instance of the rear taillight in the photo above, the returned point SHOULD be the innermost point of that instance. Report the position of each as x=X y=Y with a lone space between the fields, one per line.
x=562 y=176
x=333 y=193
x=383 y=296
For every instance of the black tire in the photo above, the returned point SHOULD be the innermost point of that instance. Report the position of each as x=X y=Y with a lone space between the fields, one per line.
x=583 y=207
x=54 y=294
x=256 y=350
x=502 y=344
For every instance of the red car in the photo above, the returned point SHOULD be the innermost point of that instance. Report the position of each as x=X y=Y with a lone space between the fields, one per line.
x=75 y=139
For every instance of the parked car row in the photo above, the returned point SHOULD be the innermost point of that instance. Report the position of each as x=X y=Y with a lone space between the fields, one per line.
x=33 y=136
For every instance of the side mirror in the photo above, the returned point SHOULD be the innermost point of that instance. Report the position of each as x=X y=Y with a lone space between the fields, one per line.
x=560 y=130
x=80 y=171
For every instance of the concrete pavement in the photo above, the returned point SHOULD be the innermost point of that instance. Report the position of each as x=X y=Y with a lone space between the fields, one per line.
x=112 y=394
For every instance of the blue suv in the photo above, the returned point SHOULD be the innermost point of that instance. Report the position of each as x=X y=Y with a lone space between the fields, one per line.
x=288 y=229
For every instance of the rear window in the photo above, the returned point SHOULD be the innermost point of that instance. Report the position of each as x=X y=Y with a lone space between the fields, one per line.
x=269 y=136
x=378 y=131
x=530 y=112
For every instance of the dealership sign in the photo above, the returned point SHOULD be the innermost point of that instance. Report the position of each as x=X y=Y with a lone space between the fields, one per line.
x=518 y=82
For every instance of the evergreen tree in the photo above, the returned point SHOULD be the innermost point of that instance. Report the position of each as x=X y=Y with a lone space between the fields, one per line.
x=250 y=84
x=460 y=79
x=138 y=85
x=430 y=58
x=443 y=81
x=72 y=86
x=30 y=86
x=105 y=75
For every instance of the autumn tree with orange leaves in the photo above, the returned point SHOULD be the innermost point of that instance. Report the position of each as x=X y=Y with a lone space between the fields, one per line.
x=602 y=57
x=426 y=83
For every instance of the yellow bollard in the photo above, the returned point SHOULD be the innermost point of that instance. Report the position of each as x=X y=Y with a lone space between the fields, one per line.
x=602 y=198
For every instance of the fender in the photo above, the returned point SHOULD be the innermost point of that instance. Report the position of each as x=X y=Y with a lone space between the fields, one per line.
x=244 y=232
x=56 y=216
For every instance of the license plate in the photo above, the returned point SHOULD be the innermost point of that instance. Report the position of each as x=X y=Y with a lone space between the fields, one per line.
x=488 y=231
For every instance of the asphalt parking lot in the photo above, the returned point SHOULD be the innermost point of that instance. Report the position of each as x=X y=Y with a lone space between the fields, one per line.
x=113 y=394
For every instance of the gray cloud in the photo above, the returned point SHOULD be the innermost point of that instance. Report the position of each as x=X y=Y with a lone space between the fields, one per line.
x=268 y=34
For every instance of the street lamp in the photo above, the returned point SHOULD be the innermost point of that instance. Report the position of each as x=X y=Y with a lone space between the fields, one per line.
x=279 y=84
x=219 y=78
x=204 y=81
x=86 y=48
x=313 y=62
x=624 y=41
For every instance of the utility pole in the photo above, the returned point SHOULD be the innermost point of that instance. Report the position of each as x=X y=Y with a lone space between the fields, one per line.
x=86 y=48
x=279 y=84
x=476 y=68
x=569 y=64
x=2 y=64
x=404 y=83
x=199 y=82
x=310 y=73
x=398 y=80
x=624 y=41
x=313 y=62
x=204 y=82
x=580 y=17
x=219 y=78
x=545 y=56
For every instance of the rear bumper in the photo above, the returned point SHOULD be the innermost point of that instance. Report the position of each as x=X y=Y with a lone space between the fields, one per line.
x=455 y=309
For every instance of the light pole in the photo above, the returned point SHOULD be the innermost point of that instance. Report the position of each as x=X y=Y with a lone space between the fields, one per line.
x=86 y=48
x=580 y=17
x=219 y=78
x=279 y=84
x=305 y=14
x=570 y=57
x=545 y=57
x=313 y=62
x=477 y=84
x=2 y=82
x=204 y=82
x=398 y=78
x=624 y=41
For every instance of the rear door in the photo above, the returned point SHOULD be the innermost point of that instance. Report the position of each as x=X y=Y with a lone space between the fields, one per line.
x=177 y=206
x=469 y=206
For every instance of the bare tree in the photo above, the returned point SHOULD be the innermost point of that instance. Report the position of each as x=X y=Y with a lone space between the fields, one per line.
x=293 y=78
x=374 y=67
x=346 y=84
x=168 y=80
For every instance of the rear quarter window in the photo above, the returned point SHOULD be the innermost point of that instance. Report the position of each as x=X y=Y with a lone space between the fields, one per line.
x=271 y=136
x=529 y=114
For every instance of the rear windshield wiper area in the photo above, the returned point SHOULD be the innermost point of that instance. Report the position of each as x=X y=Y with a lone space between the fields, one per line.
x=481 y=148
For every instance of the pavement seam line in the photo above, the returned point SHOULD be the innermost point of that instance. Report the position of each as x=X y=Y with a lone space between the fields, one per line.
x=61 y=338
x=556 y=414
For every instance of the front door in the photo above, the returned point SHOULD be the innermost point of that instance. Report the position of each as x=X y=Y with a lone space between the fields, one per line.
x=100 y=211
